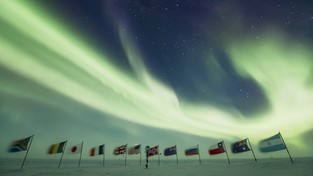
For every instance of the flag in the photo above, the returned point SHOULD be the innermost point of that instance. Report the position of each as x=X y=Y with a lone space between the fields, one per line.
x=134 y=150
x=57 y=148
x=120 y=150
x=19 y=145
x=97 y=150
x=272 y=144
x=170 y=151
x=76 y=149
x=153 y=151
x=216 y=148
x=192 y=151
x=240 y=146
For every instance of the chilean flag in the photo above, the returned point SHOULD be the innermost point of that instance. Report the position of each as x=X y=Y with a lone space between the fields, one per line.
x=216 y=149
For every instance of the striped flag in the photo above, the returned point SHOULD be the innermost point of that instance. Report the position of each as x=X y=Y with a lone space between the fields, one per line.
x=272 y=144
x=192 y=151
x=217 y=148
x=97 y=150
x=19 y=145
x=120 y=150
x=134 y=150
x=153 y=151
x=57 y=148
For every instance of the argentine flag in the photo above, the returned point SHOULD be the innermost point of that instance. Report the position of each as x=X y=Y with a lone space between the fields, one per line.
x=272 y=144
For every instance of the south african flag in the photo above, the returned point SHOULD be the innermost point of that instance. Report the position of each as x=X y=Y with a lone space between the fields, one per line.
x=20 y=145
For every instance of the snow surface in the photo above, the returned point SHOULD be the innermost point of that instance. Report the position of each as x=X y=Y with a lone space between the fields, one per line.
x=244 y=167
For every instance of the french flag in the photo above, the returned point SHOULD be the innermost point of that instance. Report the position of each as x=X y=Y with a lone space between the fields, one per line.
x=97 y=150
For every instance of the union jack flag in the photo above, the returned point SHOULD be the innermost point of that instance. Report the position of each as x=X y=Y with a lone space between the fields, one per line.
x=120 y=150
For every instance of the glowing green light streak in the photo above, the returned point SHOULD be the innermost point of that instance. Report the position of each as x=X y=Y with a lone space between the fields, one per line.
x=135 y=99
x=283 y=72
x=145 y=100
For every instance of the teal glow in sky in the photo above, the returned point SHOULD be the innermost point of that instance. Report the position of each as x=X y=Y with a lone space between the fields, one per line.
x=44 y=62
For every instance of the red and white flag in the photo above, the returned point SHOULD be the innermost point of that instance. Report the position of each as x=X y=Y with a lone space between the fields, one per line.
x=134 y=150
x=153 y=151
x=120 y=150
x=76 y=148
x=217 y=148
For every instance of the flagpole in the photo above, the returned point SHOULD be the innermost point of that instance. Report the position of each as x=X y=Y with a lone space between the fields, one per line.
x=81 y=151
x=199 y=154
x=252 y=150
x=103 y=161
x=158 y=157
x=176 y=155
x=140 y=156
x=147 y=148
x=31 y=140
x=125 y=154
x=226 y=152
x=286 y=147
x=62 y=154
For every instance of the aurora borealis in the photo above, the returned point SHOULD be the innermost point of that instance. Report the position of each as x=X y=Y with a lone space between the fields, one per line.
x=156 y=71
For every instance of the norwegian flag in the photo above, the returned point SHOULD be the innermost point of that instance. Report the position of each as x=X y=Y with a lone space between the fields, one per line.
x=153 y=151
x=120 y=150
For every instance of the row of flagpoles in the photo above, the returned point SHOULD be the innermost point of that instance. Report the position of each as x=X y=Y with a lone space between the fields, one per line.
x=271 y=144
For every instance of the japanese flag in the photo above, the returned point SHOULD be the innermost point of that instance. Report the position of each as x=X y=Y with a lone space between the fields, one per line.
x=75 y=149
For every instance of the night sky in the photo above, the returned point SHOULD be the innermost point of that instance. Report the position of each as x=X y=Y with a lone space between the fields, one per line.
x=156 y=72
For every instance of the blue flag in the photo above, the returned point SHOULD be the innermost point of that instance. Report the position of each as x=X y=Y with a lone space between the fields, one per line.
x=170 y=151
x=272 y=144
x=240 y=146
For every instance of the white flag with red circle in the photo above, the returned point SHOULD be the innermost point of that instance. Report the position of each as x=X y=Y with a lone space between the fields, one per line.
x=75 y=149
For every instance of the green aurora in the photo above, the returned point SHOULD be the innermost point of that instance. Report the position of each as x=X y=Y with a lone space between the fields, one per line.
x=36 y=46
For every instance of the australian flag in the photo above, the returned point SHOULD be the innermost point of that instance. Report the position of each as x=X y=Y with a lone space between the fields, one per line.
x=170 y=151
x=240 y=146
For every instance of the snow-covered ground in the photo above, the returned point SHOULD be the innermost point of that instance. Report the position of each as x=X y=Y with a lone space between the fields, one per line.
x=264 y=167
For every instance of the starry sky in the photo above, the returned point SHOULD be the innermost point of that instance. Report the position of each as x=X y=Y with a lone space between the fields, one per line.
x=156 y=72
